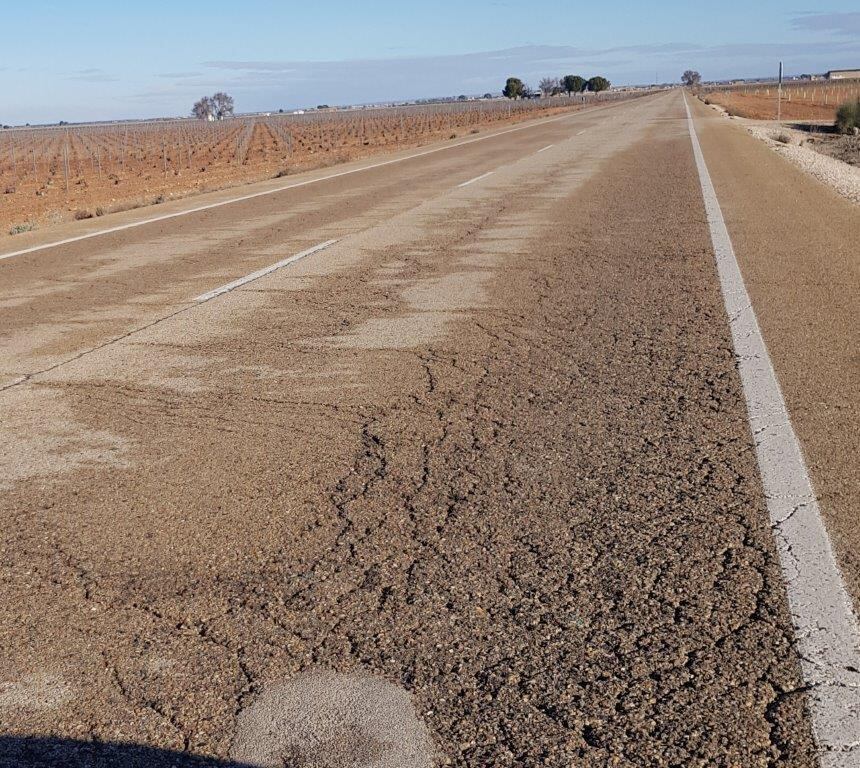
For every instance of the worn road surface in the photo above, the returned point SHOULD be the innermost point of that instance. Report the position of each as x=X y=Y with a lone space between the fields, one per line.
x=474 y=485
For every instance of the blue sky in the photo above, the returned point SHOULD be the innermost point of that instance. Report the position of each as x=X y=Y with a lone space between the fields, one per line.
x=95 y=60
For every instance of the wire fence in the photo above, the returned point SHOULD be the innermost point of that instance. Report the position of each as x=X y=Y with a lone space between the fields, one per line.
x=813 y=100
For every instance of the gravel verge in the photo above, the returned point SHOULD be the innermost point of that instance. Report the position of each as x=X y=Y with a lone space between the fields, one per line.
x=838 y=175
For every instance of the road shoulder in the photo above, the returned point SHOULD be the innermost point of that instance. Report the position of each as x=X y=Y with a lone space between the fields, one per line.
x=796 y=243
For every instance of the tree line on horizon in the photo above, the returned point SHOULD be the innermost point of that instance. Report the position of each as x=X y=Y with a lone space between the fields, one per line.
x=515 y=88
x=221 y=105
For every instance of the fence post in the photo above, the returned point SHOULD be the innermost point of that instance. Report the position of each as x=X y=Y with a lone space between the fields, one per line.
x=66 y=164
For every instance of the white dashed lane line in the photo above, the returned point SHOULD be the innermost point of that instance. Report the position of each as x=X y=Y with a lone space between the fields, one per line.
x=545 y=149
x=263 y=272
x=477 y=178
x=825 y=626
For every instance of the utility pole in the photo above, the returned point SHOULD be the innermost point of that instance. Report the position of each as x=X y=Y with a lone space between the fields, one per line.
x=779 y=96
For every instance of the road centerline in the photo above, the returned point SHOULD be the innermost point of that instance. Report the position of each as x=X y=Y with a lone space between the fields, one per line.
x=550 y=146
x=477 y=178
x=826 y=628
x=262 y=272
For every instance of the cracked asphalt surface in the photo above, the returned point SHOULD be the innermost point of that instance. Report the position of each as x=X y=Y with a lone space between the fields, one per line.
x=491 y=448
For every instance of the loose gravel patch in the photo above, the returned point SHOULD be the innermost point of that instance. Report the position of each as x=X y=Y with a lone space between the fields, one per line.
x=833 y=172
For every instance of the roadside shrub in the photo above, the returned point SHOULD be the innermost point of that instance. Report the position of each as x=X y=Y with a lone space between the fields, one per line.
x=81 y=214
x=100 y=211
x=848 y=117
x=11 y=189
x=783 y=138
x=27 y=226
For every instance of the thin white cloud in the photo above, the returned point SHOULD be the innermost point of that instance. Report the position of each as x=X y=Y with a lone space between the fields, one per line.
x=273 y=84
x=179 y=75
x=400 y=77
x=847 y=24
x=253 y=66
x=93 y=75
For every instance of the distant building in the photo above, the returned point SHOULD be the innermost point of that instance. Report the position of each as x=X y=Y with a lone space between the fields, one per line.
x=844 y=74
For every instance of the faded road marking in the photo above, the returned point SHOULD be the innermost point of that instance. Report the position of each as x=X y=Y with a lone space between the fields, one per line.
x=828 y=639
x=263 y=272
x=550 y=146
x=477 y=178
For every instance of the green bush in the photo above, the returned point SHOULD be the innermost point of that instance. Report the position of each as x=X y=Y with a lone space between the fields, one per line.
x=848 y=116
x=19 y=228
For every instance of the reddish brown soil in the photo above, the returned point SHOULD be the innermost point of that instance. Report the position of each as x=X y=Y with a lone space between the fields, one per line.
x=111 y=168
x=817 y=102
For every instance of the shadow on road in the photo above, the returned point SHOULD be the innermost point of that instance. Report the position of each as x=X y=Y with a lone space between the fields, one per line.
x=33 y=752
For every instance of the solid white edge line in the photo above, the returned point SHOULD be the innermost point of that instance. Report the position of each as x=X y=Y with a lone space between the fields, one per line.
x=826 y=628
x=580 y=133
x=477 y=178
x=262 y=272
x=545 y=149
x=277 y=190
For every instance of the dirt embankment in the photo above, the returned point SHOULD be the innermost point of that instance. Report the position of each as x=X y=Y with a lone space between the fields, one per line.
x=844 y=148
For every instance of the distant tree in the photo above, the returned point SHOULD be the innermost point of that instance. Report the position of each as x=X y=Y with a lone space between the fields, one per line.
x=514 y=88
x=223 y=105
x=528 y=91
x=489 y=96
x=462 y=97
x=573 y=84
x=549 y=86
x=691 y=78
x=597 y=84
x=204 y=108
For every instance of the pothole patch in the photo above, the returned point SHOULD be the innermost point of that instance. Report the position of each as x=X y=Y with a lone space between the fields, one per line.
x=325 y=719
x=36 y=692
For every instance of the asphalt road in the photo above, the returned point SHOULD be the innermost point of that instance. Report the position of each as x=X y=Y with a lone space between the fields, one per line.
x=474 y=485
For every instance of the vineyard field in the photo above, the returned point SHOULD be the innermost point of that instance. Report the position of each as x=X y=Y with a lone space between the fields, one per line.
x=815 y=101
x=49 y=175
